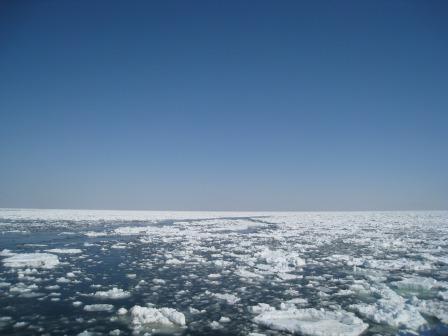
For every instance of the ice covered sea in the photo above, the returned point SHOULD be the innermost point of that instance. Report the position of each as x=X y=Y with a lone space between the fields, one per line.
x=66 y=272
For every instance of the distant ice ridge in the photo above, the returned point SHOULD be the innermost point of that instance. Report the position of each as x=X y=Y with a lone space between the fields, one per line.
x=210 y=225
x=37 y=260
x=116 y=215
x=312 y=322
x=144 y=317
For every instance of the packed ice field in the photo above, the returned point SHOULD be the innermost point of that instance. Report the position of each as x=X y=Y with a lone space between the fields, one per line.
x=66 y=272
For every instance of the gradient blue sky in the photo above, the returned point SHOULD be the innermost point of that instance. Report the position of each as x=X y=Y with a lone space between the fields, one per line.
x=224 y=105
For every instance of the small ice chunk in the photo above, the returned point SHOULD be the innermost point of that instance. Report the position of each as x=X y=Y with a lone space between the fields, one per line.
x=215 y=325
x=194 y=310
x=4 y=284
x=280 y=261
x=261 y=308
x=173 y=261
x=119 y=246
x=98 y=307
x=86 y=333
x=62 y=280
x=244 y=273
x=114 y=293
x=158 y=281
x=287 y=276
x=94 y=234
x=20 y=324
x=122 y=311
x=229 y=298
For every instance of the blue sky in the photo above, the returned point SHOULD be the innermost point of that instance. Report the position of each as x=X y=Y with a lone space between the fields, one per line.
x=224 y=105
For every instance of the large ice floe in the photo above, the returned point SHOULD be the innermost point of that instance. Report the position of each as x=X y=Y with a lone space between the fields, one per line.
x=38 y=260
x=313 y=322
x=227 y=273
x=391 y=309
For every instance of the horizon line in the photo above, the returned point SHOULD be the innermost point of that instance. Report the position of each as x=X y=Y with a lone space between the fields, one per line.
x=235 y=211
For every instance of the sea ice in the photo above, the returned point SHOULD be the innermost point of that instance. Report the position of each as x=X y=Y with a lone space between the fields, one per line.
x=313 y=322
x=416 y=283
x=278 y=261
x=6 y=253
x=64 y=251
x=391 y=309
x=98 y=307
x=215 y=325
x=434 y=308
x=349 y=261
x=122 y=311
x=229 y=298
x=142 y=317
x=39 y=260
x=114 y=293
x=261 y=308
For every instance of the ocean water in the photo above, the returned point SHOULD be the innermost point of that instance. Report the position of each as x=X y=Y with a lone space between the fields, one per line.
x=66 y=272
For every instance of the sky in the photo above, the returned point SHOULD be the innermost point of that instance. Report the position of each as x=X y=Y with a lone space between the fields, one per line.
x=224 y=105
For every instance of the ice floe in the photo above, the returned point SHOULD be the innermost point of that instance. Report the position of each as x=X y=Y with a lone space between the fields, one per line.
x=39 y=260
x=114 y=293
x=313 y=322
x=145 y=317
x=99 y=307
x=391 y=309
x=228 y=298
x=64 y=251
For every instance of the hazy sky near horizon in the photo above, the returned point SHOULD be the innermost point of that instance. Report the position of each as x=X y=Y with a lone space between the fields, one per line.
x=224 y=105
